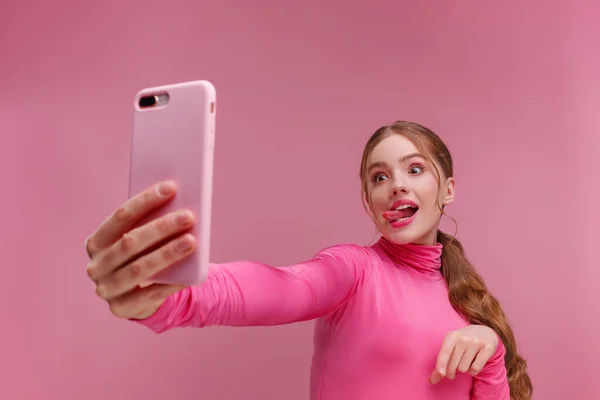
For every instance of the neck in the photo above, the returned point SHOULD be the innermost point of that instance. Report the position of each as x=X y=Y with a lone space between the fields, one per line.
x=426 y=259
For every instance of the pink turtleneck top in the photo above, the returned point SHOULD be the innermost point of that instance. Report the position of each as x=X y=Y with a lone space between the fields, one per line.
x=381 y=312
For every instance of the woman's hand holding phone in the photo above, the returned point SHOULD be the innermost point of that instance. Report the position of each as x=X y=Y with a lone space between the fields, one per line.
x=120 y=263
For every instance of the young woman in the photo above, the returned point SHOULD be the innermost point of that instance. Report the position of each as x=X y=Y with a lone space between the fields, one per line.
x=405 y=318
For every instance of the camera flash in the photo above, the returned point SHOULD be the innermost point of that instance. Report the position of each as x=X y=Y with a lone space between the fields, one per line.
x=162 y=99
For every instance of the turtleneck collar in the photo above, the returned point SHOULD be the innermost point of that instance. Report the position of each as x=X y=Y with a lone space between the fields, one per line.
x=422 y=258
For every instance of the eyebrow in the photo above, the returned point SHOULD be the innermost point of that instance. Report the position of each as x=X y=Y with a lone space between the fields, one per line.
x=402 y=159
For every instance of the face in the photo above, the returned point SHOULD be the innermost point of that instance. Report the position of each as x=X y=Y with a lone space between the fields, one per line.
x=403 y=193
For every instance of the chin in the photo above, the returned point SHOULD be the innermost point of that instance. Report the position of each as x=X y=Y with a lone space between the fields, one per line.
x=408 y=234
x=397 y=237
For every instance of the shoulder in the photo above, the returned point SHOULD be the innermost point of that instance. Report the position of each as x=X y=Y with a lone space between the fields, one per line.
x=343 y=251
x=357 y=256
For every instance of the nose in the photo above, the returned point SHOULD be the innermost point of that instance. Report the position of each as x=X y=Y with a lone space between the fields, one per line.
x=398 y=189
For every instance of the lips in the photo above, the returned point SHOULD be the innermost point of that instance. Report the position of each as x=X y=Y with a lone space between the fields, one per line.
x=401 y=213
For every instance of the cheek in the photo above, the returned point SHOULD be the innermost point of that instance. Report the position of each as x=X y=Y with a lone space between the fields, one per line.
x=430 y=194
x=378 y=201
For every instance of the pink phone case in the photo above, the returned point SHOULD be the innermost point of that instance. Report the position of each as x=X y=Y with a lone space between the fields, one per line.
x=173 y=138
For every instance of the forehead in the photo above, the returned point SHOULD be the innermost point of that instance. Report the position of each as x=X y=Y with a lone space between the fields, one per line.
x=393 y=147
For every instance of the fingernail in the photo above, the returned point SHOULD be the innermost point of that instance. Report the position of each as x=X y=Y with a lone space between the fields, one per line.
x=184 y=244
x=442 y=371
x=184 y=218
x=166 y=188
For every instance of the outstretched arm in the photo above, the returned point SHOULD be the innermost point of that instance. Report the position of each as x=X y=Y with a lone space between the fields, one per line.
x=245 y=293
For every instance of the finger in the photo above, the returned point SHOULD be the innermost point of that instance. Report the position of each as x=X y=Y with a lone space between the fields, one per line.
x=468 y=358
x=128 y=214
x=143 y=302
x=135 y=273
x=445 y=353
x=457 y=353
x=482 y=358
x=137 y=241
x=435 y=377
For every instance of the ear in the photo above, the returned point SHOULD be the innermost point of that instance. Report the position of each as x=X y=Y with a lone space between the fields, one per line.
x=449 y=191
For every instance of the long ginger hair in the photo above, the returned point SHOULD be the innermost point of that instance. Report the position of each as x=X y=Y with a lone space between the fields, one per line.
x=467 y=291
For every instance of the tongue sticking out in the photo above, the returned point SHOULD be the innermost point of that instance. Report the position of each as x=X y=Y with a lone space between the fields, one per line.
x=404 y=213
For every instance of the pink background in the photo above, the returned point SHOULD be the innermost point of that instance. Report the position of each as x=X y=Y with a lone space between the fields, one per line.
x=512 y=87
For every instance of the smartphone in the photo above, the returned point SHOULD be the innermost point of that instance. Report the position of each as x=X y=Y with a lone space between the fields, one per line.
x=173 y=137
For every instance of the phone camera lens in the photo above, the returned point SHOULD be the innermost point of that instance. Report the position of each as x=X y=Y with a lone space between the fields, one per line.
x=147 y=101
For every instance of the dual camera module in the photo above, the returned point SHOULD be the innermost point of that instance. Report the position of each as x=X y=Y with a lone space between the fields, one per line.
x=153 y=100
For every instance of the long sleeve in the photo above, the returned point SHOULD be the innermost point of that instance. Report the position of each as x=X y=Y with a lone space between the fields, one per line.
x=492 y=382
x=245 y=293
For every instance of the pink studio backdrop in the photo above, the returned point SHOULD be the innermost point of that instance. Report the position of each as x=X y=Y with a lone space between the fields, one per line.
x=511 y=86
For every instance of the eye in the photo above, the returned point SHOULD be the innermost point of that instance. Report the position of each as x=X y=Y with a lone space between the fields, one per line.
x=378 y=177
x=416 y=169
